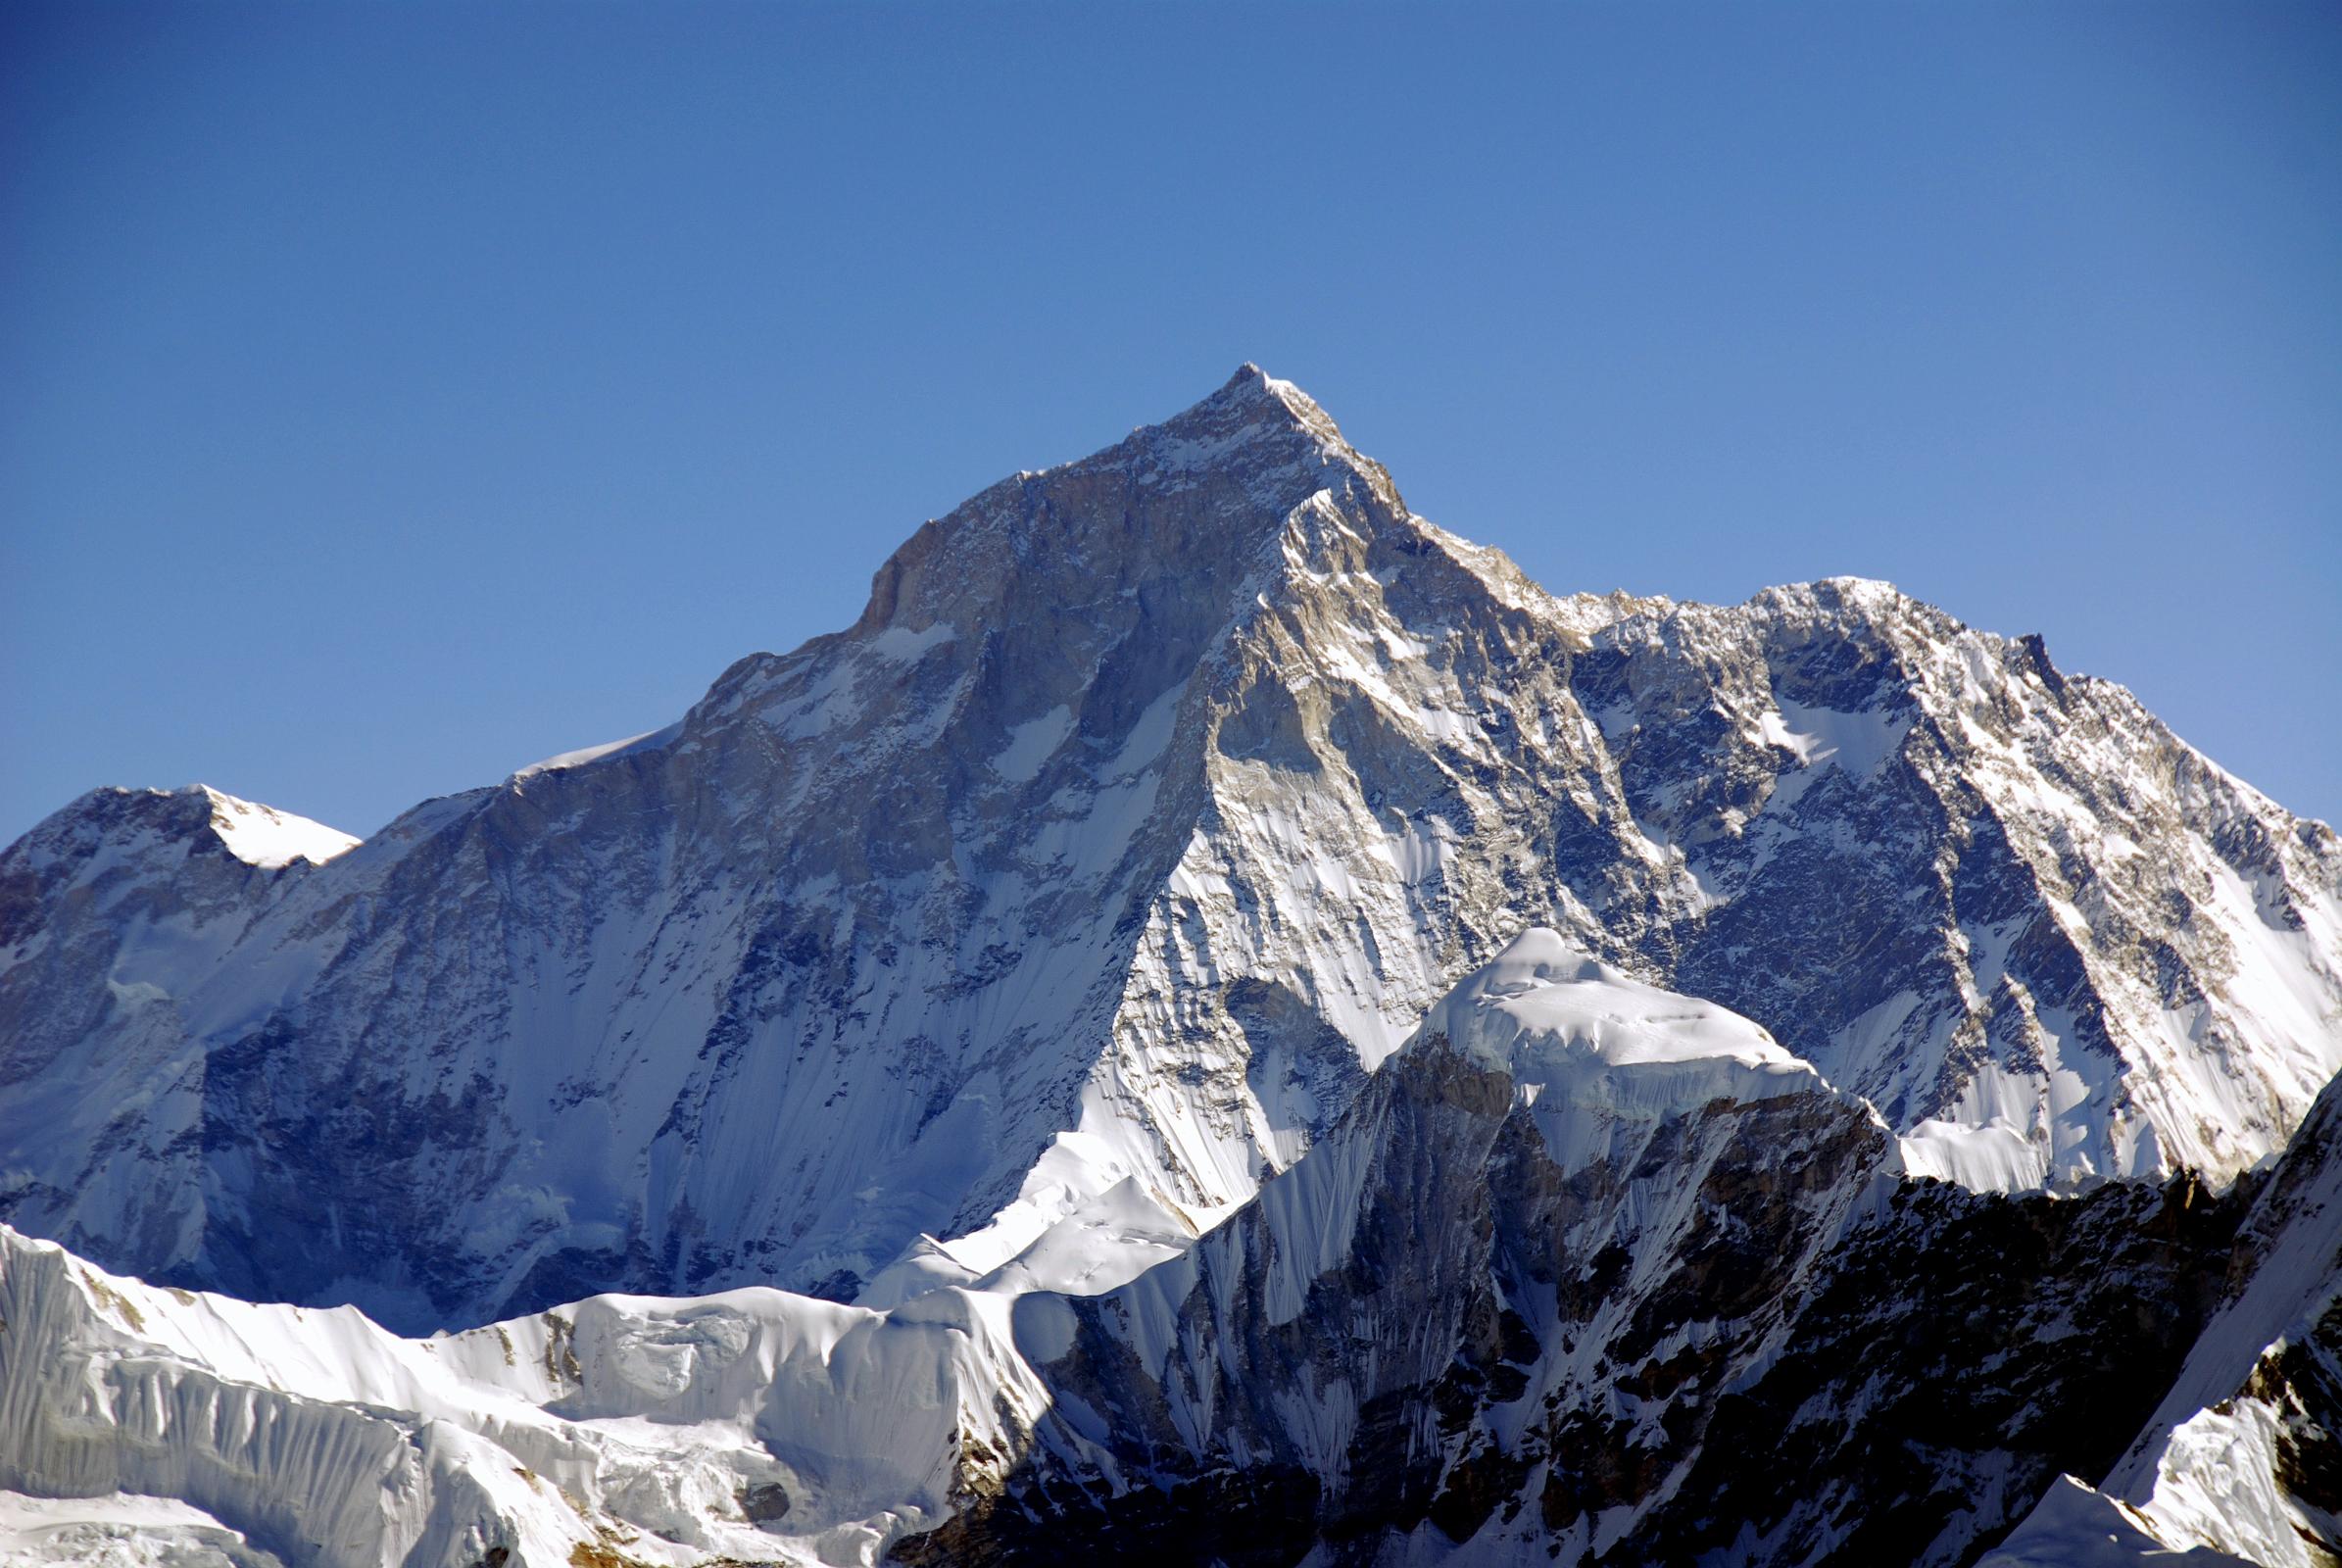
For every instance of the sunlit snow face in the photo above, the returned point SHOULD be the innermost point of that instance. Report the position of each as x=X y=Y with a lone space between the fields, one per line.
x=1588 y=1046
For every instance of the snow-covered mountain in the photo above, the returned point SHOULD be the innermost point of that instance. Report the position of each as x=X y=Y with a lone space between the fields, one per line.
x=1593 y=1273
x=2243 y=1457
x=1588 y=1272
x=1152 y=860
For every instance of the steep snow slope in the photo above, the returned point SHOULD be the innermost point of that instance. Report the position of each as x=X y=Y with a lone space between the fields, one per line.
x=751 y=1424
x=2049 y=941
x=1149 y=805
x=1563 y=1026
x=1589 y=1274
x=111 y=913
x=262 y=836
x=2075 y=1527
x=2244 y=1455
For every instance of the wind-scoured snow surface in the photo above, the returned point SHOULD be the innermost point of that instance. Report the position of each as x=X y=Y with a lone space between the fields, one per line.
x=1056 y=912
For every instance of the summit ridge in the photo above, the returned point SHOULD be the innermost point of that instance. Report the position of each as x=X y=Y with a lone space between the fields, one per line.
x=1152 y=802
x=1113 y=964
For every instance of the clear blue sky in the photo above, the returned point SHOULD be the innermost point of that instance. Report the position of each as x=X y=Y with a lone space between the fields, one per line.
x=395 y=394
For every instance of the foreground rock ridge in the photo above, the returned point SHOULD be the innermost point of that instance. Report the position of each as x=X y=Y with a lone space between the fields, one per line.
x=1219 y=1015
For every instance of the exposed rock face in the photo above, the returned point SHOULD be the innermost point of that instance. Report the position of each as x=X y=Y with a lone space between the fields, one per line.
x=1582 y=1318
x=2243 y=1457
x=110 y=910
x=1588 y=1272
x=1138 y=782
x=1152 y=860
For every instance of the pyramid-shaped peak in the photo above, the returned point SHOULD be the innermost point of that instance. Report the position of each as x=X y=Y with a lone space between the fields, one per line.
x=1252 y=402
x=1266 y=432
x=112 y=826
x=1252 y=383
x=1199 y=497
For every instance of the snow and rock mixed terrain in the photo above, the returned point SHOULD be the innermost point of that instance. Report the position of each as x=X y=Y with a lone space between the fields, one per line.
x=1182 y=1020
x=2243 y=1457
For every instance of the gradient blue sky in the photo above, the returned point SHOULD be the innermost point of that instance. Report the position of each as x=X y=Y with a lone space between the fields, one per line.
x=395 y=394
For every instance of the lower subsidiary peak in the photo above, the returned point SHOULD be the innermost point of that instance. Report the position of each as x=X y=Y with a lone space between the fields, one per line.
x=1555 y=1019
x=270 y=838
x=121 y=825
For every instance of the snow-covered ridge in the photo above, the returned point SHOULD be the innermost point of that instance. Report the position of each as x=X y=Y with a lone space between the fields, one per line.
x=1585 y=1043
x=1541 y=1006
x=1386 y=1310
x=1599 y=1057
x=1154 y=802
x=648 y=741
x=112 y=830
x=264 y=837
x=2237 y=1464
x=753 y=1424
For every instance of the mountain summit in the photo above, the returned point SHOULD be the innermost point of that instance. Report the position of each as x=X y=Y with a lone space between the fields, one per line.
x=1147 y=807
x=1201 y=494
x=1236 y=1000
